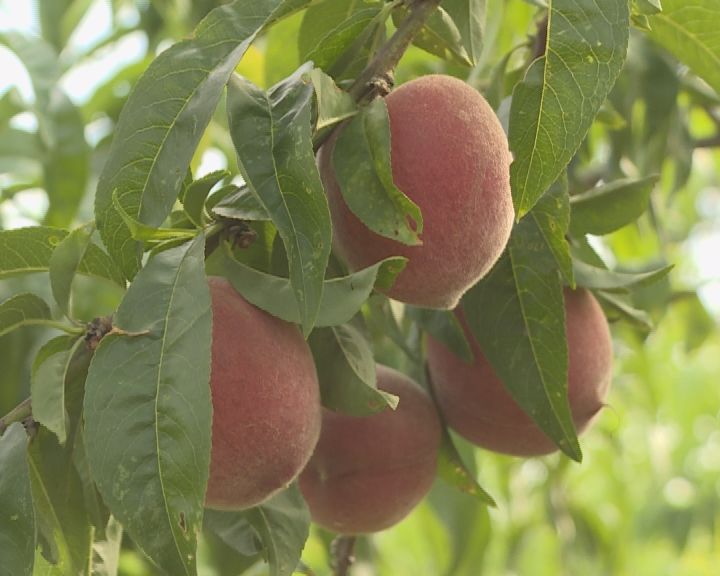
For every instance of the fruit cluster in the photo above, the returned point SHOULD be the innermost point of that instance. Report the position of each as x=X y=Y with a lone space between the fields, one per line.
x=363 y=474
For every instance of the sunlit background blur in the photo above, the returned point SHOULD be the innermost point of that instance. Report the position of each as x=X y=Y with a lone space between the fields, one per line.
x=646 y=499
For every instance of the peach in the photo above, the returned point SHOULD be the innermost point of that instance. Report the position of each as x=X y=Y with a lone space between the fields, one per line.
x=266 y=402
x=450 y=156
x=476 y=405
x=369 y=472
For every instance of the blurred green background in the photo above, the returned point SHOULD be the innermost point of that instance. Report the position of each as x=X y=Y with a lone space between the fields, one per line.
x=645 y=500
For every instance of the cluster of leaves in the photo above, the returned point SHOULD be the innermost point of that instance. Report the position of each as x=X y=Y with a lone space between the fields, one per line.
x=120 y=430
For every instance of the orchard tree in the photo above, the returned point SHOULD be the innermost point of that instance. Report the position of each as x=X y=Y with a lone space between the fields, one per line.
x=403 y=259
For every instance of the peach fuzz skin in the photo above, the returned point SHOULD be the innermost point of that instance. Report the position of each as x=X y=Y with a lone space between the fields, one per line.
x=369 y=472
x=266 y=402
x=450 y=156
x=474 y=401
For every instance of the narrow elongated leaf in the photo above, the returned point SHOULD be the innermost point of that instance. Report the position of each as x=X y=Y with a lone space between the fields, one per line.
x=555 y=104
x=346 y=371
x=17 y=520
x=22 y=310
x=63 y=527
x=27 y=250
x=330 y=28
x=518 y=317
x=362 y=164
x=689 y=29
x=550 y=219
x=39 y=59
x=283 y=523
x=10 y=104
x=164 y=118
x=140 y=231
x=197 y=192
x=444 y=326
x=452 y=469
x=233 y=528
x=147 y=408
x=273 y=139
x=333 y=105
x=64 y=264
x=626 y=310
x=241 y=204
x=469 y=16
x=439 y=36
x=106 y=552
x=47 y=385
x=341 y=297
x=67 y=158
x=61 y=128
x=609 y=207
x=603 y=279
x=44 y=568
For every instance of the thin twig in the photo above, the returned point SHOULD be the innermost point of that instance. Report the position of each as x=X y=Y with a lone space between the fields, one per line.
x=711 y=142
x=389 y=54
x=342 y=554
x=17 y=414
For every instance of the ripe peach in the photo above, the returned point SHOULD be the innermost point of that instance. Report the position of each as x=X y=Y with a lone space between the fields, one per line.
x=369 y=472
x=476 y=404
x=450 y=156
x=266 y=402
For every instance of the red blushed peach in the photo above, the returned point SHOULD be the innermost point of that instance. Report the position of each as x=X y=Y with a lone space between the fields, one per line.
x=450 y=156
x=266 y=402
x=369 y=472
x=476 y=405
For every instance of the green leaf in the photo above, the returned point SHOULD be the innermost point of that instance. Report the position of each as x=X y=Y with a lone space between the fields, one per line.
x=469 y=16
x=330 y=29
x=61 y=128
x=647 y=7
x=346 y=371
x=147 y=408
x=23 y=310
x=556 y=103
x=333 y=104
x=10 y=104
x=602 y=279
x=43 y=567
x=439 y=36
x=625 y=310
x=17 y=520
x=63 y=527
x=362 y=165
x=283 y=523
x=381 y=320
x=165 y=117
x=341 y=297
x=609 y=207
x=273 y=139
x=197 y=192
x=550 y=219
x=39 y=59
x=47 y=384
x=452 y=470
x=64 y=264
x=106 y=552
x=444 y=326
x=689 y=30
x=241 y=204
x=235 y=530
x=67 y=158
x=517 y=314
x=140 y=231
x=98 y=514
x=27 y=250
